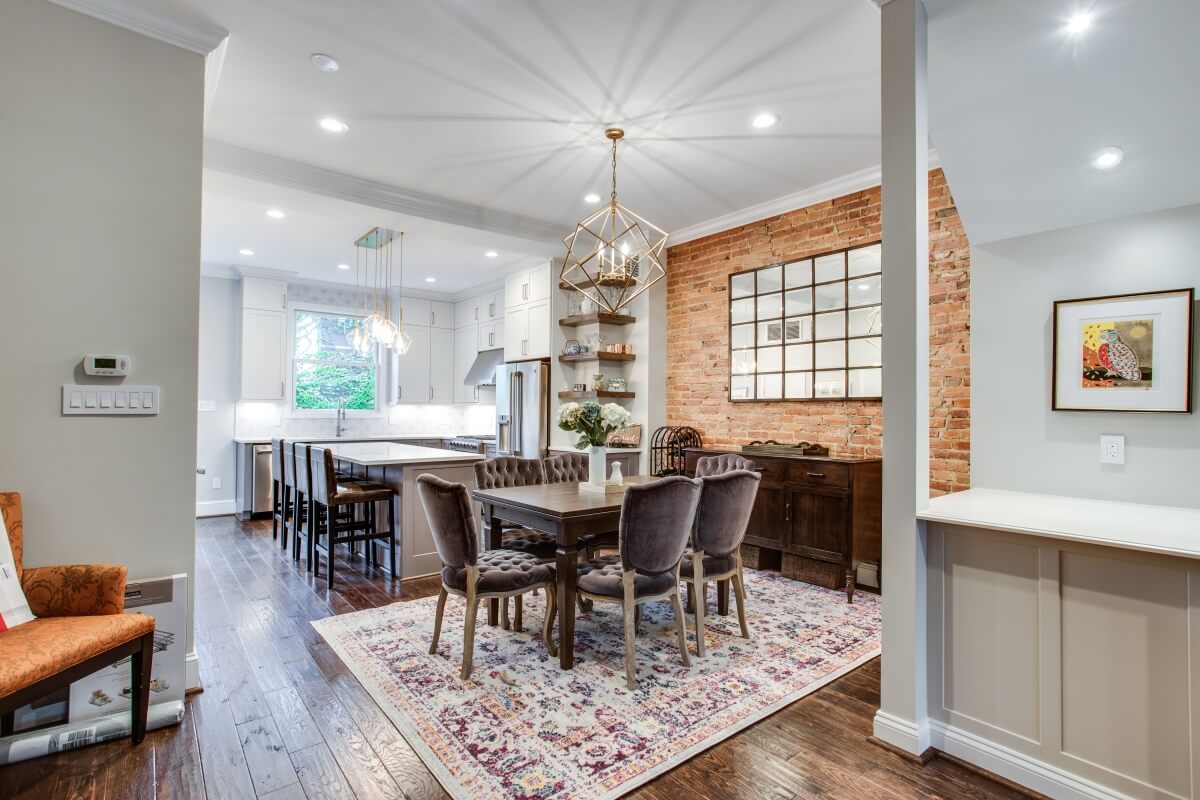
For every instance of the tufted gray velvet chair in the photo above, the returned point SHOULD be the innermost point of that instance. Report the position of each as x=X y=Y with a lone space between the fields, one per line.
x=475 y=575
x=656 y=519
x=715 y=465
x=566 y=468
x=726 y=501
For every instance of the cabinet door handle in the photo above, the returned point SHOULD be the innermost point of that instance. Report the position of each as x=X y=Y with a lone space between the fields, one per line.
x=815 y=474
x=524 y=291
x=433 y=318
x=477 y=313
x=430 y=392
x=787 y=513
x=491 y=310
x=491 y=339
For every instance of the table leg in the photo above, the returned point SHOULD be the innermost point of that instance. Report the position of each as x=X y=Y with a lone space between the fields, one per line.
x=723 y=597
x=495 y=540
x=567 y=560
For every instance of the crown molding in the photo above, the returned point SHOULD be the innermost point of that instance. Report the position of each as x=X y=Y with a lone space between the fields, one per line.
x=198 y=37
x=235 y=160
x=821 y=193
x=241 y=270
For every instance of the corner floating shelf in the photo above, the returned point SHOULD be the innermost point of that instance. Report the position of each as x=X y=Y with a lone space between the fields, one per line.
x=623 y=283
x=597 y=357
x=593 y=395
x=602 y=317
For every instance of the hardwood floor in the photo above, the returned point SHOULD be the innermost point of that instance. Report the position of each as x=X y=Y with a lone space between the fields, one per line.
x=282 y=717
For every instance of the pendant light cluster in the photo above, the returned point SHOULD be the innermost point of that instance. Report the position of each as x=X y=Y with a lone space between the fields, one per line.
x=614 y=255
x=373 y=284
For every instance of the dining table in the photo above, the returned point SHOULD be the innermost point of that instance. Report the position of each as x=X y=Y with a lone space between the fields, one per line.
x=571 y=514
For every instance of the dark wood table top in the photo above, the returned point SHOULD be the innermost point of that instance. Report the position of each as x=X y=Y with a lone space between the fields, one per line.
x=562 y=500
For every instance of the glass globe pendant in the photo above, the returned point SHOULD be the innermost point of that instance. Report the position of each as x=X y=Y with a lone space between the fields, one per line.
x=402 y=342
x=360 y=340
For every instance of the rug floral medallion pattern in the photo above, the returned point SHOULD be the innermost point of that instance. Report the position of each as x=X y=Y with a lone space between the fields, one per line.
x=523 y=729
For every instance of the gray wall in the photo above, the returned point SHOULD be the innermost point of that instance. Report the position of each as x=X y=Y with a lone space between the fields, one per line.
x=220 y=357
x=100 y=158
x=1017 y=442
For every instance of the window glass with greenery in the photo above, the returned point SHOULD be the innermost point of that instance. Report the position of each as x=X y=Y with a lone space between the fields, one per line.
x=326 y=368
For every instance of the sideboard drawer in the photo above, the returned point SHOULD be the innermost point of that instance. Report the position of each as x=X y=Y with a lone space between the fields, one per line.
x=819 y=473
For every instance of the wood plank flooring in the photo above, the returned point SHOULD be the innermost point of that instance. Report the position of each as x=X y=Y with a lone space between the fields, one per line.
x=282 y=717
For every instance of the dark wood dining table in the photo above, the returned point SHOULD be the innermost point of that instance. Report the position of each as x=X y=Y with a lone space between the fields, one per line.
x=568 y=513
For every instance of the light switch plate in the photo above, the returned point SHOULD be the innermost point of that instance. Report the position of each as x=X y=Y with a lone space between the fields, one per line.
x=109 y=400
x=206 y=405
x=1112 y=448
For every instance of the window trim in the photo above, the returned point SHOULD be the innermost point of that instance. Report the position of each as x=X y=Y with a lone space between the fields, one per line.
x=291 y=412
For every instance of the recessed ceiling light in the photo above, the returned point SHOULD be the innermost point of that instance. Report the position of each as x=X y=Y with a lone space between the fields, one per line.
x=245 y=251
x=324 y=63
x=1108 y=157
x=343 y=266
x=1079 y=22
x=491 y=254
x=764 y=120
x=431 y=280
x=591 y=198
x=275 y=213
x=334 y=125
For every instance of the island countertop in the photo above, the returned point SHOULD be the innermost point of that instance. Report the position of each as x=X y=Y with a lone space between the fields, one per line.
x=348 y=439
x=388 y=454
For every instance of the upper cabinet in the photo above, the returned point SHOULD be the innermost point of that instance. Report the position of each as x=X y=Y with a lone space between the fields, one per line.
x=441 y=315
x=265 y=294
x=415 y=311
x=527 y=313
x=483 y=308
x=264 y=338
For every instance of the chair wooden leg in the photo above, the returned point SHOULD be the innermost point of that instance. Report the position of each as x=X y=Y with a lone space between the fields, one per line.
x=518 y=621
x=392 y=539
x=677 y=607
x=329 y=557
x=140 y=668
x=551 y=593
x=437 y=620
x=469 y=636
x=628 y=609
x=697 y=591
x=739 y=594
x=723 y=597
x=505 y=622
x=274 y=510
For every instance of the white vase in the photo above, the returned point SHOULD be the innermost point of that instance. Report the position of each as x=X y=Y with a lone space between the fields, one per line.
x=597 y=461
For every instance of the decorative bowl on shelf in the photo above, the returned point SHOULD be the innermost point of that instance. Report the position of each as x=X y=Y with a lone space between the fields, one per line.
x=616 y=384
x=572 y=347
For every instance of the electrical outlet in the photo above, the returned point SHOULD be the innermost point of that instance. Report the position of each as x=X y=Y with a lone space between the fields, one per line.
x=1112 y=448
x=216 y=483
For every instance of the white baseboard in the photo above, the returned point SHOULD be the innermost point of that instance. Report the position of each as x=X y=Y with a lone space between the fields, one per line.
x=191 y=672
x=215 y=508
x=900 y=733
x=1017 y=767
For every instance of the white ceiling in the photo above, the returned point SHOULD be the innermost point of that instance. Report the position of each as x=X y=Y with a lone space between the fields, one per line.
x=1017 y=107
x=318 y=233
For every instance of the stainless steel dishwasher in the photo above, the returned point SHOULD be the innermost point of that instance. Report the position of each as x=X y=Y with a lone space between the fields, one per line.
x=254 y=477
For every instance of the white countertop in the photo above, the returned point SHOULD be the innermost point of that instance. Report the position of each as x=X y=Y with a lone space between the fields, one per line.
x=380 y=454
x=1170 y=530
x=584 y=452
x=321 y=439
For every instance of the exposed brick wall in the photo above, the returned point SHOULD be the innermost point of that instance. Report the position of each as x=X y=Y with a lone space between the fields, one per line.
x=698 y=345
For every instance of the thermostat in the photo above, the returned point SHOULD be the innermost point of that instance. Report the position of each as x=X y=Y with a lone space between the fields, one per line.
x=106 y=365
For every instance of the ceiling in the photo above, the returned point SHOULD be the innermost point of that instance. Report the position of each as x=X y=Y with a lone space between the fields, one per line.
x=317 y=233
x=1017 y=107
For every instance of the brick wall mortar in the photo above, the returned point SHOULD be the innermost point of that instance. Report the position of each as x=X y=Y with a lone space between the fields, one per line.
x=698 y=325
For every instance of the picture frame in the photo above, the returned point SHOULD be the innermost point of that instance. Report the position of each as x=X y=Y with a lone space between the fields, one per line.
x=1129 y=353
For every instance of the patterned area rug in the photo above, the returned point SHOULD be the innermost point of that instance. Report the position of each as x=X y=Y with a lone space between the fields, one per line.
x=523 y=729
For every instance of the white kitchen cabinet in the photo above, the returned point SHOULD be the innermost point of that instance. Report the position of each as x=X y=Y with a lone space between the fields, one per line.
x=516 y=328
x=537 y=338
x=264 y=294
x=538 y=280
x=497 y=339
x=490 y=335
x=264 y=340
x=441 y=315
x=464 y=313
x=465 y=341
x=515 y=288
x=411 y=370
x=416 y=311
x=492 y=306
x=441 y=366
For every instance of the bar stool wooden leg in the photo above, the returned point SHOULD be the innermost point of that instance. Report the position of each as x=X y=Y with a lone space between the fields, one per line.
x=392 y=538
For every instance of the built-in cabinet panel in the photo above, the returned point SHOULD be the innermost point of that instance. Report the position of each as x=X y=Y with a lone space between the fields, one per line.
x=411 y=370
x=527 y=315
x=441 y=315
x=516 y=332
x=537 y=337
x=264 y=294
x=263 y=354
x=441 y=366
x=486 y=337
x=465 y=340
x=516 y=289
x=415 y=311
x=479 y=309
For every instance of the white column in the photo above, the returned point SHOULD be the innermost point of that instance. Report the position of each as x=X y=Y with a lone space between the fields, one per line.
x=901 y=720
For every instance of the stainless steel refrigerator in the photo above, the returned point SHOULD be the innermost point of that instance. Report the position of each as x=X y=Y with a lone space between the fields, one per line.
x=523 y=409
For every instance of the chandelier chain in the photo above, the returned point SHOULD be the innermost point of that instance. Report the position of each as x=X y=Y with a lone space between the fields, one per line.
x=613 y=198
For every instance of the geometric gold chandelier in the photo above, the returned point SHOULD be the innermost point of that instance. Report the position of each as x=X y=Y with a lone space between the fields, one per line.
x=373 y=282
x=614 y=255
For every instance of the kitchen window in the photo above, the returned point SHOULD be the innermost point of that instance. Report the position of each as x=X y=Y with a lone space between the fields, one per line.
x=810 y=329
x=326 y=369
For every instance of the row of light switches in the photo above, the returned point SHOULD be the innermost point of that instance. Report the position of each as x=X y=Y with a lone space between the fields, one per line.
x=78 y=399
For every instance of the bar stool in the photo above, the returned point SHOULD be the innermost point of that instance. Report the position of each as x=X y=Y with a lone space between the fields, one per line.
x=278 y=499
x=291 y=508
x=337 y=503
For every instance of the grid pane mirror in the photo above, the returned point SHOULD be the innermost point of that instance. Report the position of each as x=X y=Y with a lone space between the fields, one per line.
x=809 y=329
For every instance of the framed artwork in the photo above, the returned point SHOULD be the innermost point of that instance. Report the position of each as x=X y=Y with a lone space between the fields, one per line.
x=810 y=329
x=1128 y=352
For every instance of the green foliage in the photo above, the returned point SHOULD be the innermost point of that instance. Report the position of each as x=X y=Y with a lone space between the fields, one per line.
x=322 y=386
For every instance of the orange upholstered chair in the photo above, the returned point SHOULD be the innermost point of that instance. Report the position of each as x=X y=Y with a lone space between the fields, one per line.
x=79 y=629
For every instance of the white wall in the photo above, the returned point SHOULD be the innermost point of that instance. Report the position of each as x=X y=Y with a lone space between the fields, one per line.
x=220 y=356
x=100 y=158
x=1017 y=442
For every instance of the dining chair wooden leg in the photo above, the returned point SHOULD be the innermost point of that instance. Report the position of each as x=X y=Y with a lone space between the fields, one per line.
x=469 y=634
x=723 y=597
x=696 y=590
x=677 y=607
x=437 y=620
x=518 y=620
x=505 y=622
x=739 y=594
x=628 y=609
x=551 y=593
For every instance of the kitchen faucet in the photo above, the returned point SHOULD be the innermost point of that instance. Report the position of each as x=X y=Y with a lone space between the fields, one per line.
x=341 y=418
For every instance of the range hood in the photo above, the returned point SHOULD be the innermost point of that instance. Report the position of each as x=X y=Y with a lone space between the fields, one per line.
x=483 y=371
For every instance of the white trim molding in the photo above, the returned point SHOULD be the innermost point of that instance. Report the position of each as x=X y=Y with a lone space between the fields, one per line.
x=215 y=508
x=239 y=161
x=1014 y=766
x=193 y=35
x=900 y=733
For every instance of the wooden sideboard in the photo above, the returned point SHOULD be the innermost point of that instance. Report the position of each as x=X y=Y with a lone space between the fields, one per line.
x=822 y=514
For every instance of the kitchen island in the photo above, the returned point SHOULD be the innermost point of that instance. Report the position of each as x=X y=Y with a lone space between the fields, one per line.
x=398 y=466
